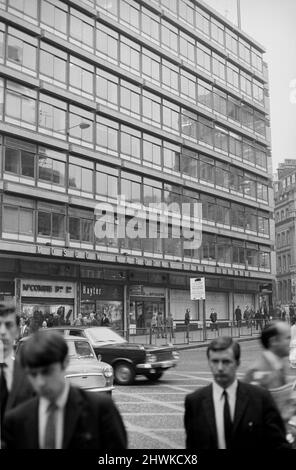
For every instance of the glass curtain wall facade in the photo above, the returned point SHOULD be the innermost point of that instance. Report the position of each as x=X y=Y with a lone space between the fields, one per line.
x=159 y=101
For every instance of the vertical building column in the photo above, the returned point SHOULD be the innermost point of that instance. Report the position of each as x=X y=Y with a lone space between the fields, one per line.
x=126 y=319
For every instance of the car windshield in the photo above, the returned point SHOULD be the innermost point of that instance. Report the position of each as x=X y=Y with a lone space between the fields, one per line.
x=104 y=335
x=80 y=349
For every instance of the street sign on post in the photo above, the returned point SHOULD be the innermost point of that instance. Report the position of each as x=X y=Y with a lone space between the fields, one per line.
x=197 y=288
x=198 y=292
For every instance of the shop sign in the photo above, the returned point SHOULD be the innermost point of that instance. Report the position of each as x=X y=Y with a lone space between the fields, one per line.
x=100 y=292
x=136 y=290
x=147 y=291
x=65 y=290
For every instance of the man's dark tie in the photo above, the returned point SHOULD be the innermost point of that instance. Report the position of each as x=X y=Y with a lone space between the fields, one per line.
x=50 y=429
x=227 y=421
x=3 y=391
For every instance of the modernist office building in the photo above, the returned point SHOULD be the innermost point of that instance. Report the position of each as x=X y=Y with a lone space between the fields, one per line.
x=285 y=231
x=158 y=100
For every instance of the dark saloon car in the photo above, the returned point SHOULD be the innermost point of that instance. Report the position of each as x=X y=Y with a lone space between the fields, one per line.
x=127 y=359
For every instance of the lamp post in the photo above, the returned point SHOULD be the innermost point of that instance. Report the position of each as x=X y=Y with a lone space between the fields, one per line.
x=82 y=125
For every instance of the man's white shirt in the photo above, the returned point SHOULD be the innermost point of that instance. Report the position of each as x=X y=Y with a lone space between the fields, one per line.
x=218 y=399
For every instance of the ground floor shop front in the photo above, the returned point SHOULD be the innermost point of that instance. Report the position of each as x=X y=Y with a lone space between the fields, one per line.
x=129 y=296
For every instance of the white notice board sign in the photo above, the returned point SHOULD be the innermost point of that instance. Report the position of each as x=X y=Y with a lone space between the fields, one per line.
x=197 y=288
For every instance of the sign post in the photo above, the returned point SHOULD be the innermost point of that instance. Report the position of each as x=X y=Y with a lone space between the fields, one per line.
x=198 y=292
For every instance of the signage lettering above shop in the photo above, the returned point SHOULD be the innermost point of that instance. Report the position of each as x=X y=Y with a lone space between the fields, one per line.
x=47 y=289
x=91 y=291
x=39 y=288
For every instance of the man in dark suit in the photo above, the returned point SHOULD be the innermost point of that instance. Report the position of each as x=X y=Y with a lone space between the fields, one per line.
x=14 y=385
x=229 y=414
x=60 y=416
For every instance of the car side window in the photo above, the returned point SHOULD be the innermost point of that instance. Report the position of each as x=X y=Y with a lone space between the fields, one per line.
x=75 y=333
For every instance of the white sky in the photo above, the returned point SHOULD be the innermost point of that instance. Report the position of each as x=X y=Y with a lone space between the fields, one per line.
x=273 y=24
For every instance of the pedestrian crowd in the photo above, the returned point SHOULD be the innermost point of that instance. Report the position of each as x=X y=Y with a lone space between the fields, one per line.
x=41 y=410
x=32 y=321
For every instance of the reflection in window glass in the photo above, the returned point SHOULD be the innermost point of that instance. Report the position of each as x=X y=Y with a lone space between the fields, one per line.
x=20 y=52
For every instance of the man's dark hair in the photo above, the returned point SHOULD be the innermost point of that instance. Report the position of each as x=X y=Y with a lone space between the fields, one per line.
x=224 y=342
x=268 y=332
x=6 y=308
x=43 y=348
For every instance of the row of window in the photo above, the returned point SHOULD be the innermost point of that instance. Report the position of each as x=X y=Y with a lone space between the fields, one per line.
x=283 y=214
x=43 y=164
x=31 y=221
x=120 y=50
x=32 y=109
x=148 y=24
x=78 y=76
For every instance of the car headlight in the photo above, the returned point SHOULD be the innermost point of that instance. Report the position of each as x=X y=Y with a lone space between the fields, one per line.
x=108 y=371
x=151 y=357
x=175 y=354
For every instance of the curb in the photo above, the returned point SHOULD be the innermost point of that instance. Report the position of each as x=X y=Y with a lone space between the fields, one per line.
x=202 y=345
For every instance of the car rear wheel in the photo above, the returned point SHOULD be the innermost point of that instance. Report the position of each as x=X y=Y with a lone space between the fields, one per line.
x=124 y=373
x=154 y=376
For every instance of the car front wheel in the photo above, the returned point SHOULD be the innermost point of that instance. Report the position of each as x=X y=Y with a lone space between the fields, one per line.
x=154 y=377
x=124 y=373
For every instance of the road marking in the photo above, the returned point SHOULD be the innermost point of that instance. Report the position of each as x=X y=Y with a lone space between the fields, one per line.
x=151 y=433
x=155 y=402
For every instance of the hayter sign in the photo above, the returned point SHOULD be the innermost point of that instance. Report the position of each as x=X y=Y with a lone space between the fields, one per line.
x=30 y=288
